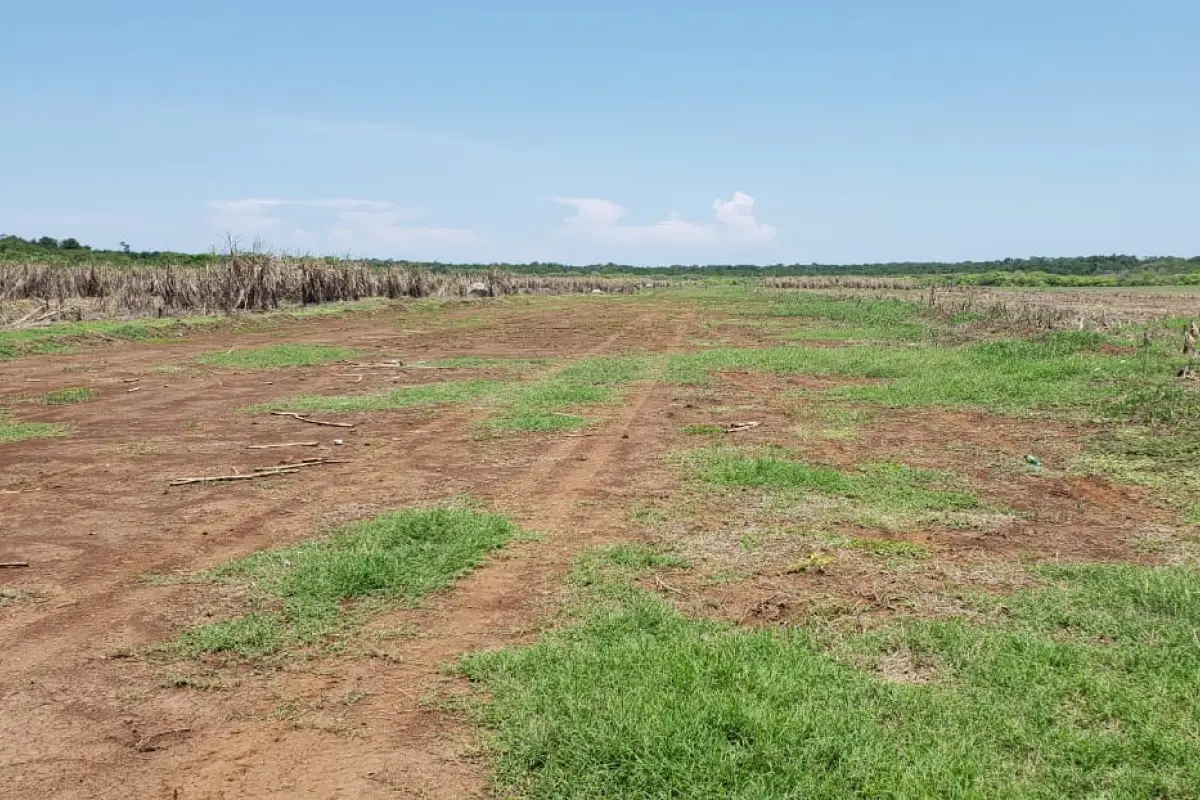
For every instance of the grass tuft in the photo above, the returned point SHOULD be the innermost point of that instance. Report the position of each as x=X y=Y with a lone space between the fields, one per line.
x=889 y=547
x=703 y=429
x=301 y=593
x=63 y=397
x=21 y=431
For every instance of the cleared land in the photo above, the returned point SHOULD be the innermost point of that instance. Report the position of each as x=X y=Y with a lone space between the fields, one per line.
x=701 y=542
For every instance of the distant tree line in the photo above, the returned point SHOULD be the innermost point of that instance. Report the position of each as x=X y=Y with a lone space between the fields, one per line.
x=70 y=250
x=1035 y=271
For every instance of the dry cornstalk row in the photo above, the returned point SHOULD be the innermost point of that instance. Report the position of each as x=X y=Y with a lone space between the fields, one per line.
x=258 y=282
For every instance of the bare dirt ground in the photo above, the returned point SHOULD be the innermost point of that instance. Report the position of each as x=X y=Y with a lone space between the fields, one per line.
x=82 y=716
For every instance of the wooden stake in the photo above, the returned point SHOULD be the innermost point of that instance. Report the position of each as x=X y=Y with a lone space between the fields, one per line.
x=309 y=420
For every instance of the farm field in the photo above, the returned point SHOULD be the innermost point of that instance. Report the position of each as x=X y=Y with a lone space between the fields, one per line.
x=703 y=541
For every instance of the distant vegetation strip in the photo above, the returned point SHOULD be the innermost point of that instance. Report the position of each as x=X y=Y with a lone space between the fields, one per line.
x=1132 y=270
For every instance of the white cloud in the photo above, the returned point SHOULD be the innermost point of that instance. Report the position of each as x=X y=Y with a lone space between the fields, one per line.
x=738 y=216
x=600 y=220
x=373 y=226
x=591 y=213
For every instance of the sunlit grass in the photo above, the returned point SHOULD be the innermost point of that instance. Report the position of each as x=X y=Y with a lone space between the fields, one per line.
x=1081 y=689
x=304 y=593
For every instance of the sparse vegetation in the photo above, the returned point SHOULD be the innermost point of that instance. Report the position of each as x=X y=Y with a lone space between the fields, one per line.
x=277 y=356
x=478 y=362
x=548 y=404
x=880 y=493
x=11 y=431
x=402 y=397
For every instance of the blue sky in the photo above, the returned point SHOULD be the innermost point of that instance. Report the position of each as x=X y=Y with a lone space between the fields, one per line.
x=637 y=132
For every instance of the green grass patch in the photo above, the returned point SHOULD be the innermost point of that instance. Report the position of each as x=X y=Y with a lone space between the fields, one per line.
x=481 y=362
x=61 y=338
x=884 y=484
x=1085 y=688
x=888 y=547
x=792 y=492
x=906 y=332
x=855 y=311
x=64 y=397
x=703 y=429
x=402 y=397
x=551 y=403
x=1063 y=372
x=11 y=431
x=305 y=593
x=817 y=316
x=277 y=356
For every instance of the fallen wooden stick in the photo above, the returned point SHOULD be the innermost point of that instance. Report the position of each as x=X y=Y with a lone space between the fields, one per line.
x=13 y=564
x=309 y=420
x=134 y=389
x=738 y=427
x=668 y=586
x=282 y=444
x=227 y=478
x=263 y=472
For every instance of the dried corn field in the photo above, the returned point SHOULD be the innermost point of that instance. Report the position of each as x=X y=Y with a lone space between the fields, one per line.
x=1054 y=310
x=254 y=282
